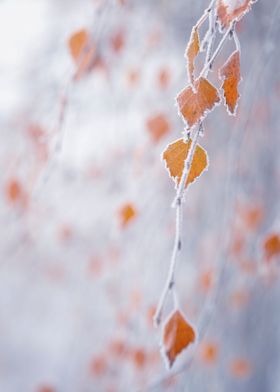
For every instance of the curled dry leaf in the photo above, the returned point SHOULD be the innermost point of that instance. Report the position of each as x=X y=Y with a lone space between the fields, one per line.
x=191 y=53
x=230 y=75
x=271 y=246
x=178 y=334
x=175 y=156
x=195 y=103
x=232 y=10
x=82 y=51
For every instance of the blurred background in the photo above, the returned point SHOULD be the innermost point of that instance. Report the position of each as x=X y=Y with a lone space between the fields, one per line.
x=87 y=227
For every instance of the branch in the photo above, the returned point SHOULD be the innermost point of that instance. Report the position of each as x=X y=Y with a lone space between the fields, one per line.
x=170 y=281
x=210 y=62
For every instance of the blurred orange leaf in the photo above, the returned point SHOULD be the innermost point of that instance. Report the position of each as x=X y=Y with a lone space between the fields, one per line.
x=240 y=368
x=175 y=156
x=98 y=365
x=164 y=77
x=253 y=216
x=239 y=298
x=206 y=280
x=209 y=352
x=230 y=74
x=139 y=357
x=117 y=41
x=46 y=388
x=195 y=103
x=127 y=213
x=77 y=43
x=14 y=190
x=177 y=335
x=191 y=53
x=271 y=246
x=158 y=126
x=229 y=11
x=82 y=51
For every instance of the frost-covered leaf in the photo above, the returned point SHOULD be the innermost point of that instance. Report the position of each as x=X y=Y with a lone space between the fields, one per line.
x=175 y=156
x=231 y=10
x=230 y=75
x=194 y=104
x=191 y=53
x=178 y=334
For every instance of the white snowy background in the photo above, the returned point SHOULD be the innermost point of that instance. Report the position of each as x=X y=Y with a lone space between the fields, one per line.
x=77 y=290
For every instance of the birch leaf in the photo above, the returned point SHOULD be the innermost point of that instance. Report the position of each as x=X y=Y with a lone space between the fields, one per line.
x=175 y=156
x=178 y=334
x=191 y=53
x=230 y=75
x=232 y=10
x=195 y=103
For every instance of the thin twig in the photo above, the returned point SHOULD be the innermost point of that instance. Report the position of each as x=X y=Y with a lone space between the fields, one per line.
x=177 y=203
x=217 y=51
x=236 y=41
x=187 y=167
x=203 y=18
x=212 y=36
x=170 y=281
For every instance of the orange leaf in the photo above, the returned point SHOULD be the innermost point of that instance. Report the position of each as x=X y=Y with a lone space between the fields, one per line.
x=191 y=53
x=98 y=365
x=82 y=51
x=239 y=298
x=232 y=10
x=194 y=104
x=177 y=335
x=175 y=156
x=45 y=388
x=230 y=74
x=127 y=213
x=158 y=126
x=209 y=352
x=240 y=368
x=252 y=216
x=272 y=246
x=77 y=43
x=14 y=190
x=117 y=41
x=164 y=77
x=139 y=357
x=206 y=280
